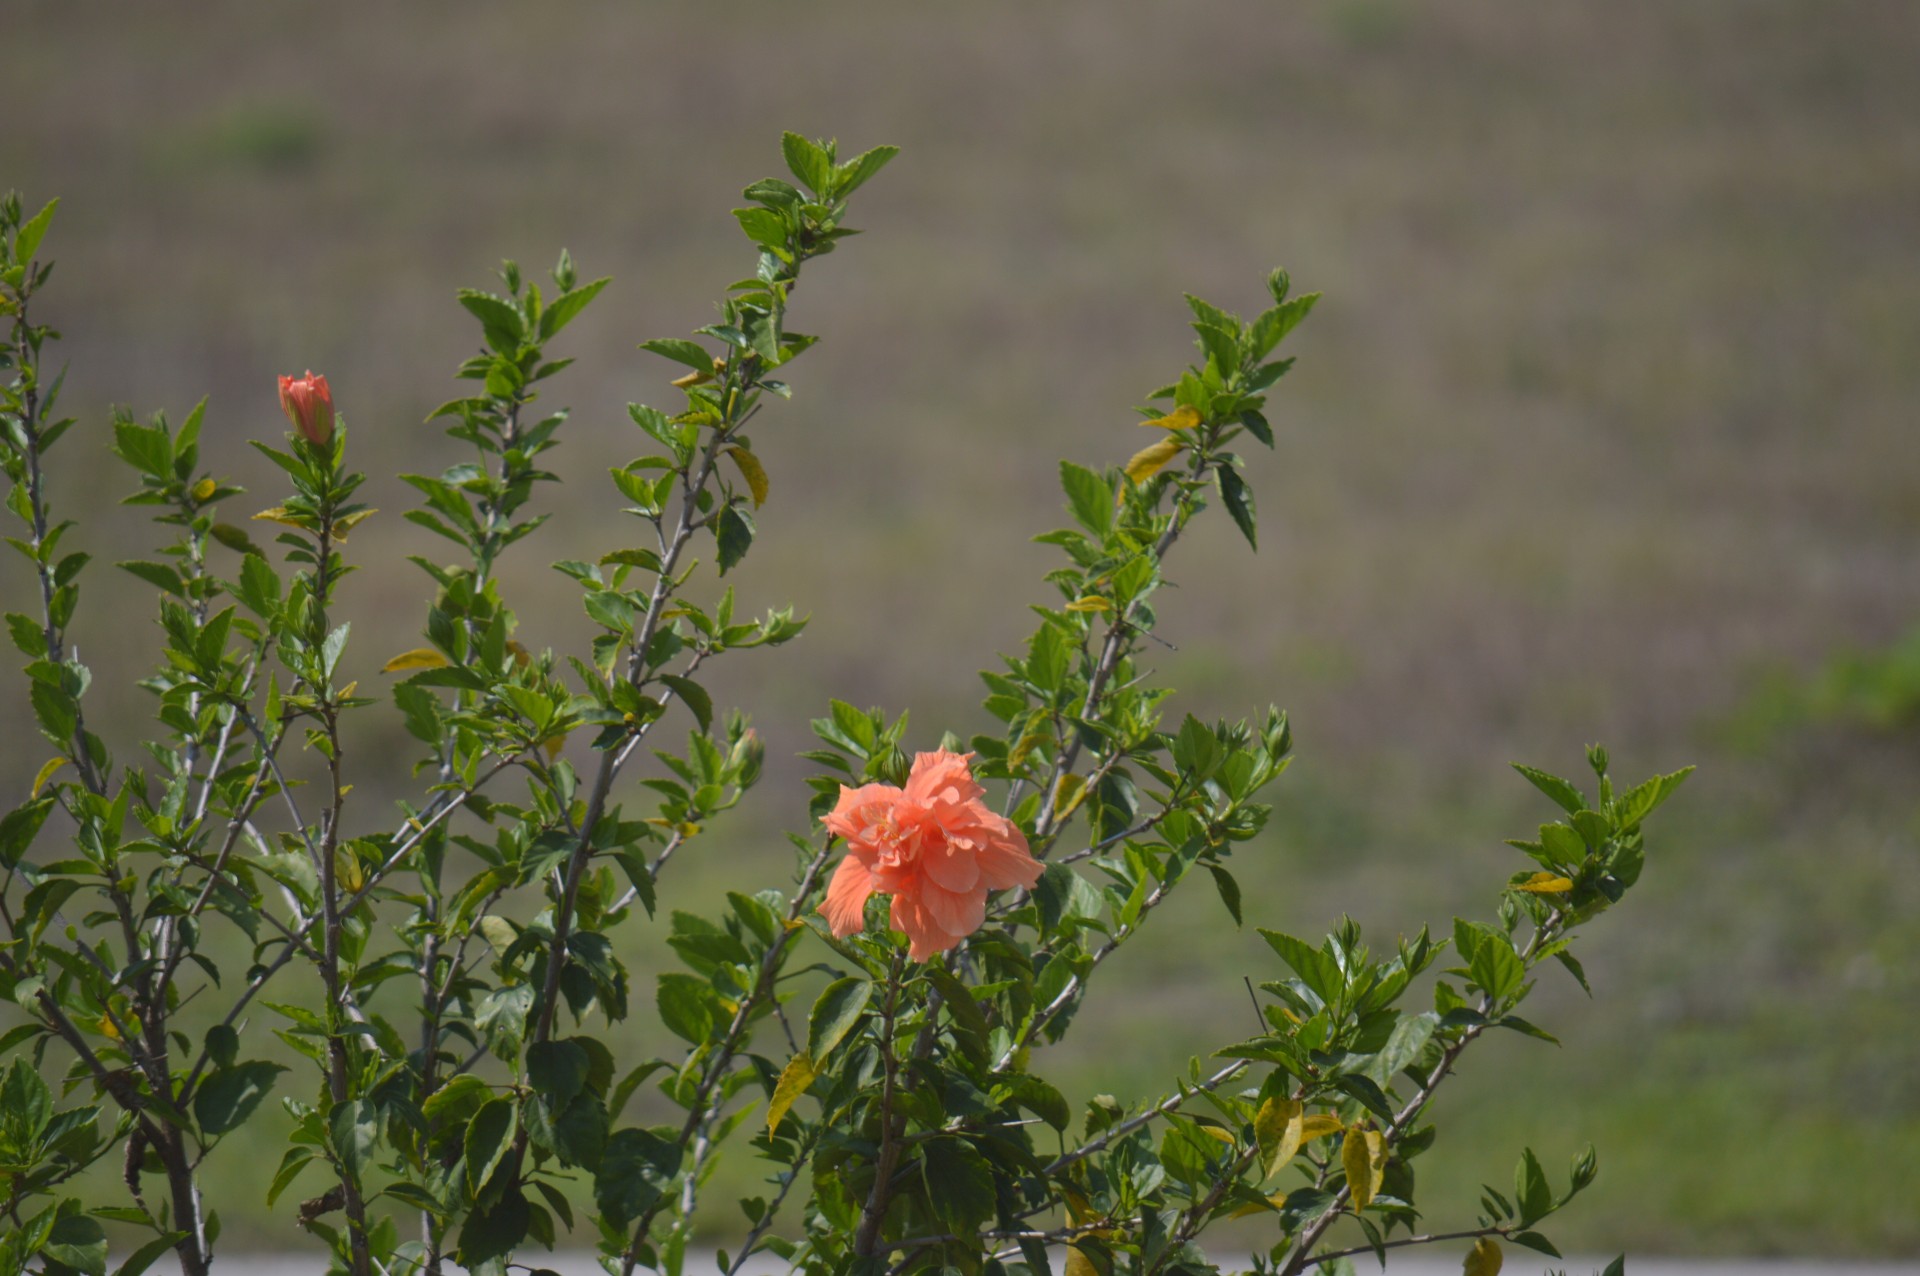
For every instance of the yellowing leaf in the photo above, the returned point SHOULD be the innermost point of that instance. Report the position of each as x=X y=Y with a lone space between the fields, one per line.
x=498 y=932
x=1218 y=1134
x=753 y=472
x=1279 y=1126
x=1150 y=460
x=1363 y=1155
x=1545 y=884
x=1182 y=419
x=418 y=658
x=278 y=514
x=1484 y=1258
x=1028 y=743
x=1079 y=1264
x=794 y=1080
x=234 y=538
x=1353 y=1158
x=346 y=867
x=346 y=523
x=107 y=1028
x=1092 y=602
x=46 y=773
x=553 y=744
x=204 y=488
x=1067 y=797
x=1319 y=1125
x=692 y=378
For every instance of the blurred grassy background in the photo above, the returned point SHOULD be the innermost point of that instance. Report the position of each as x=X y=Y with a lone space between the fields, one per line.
x=1608 y=416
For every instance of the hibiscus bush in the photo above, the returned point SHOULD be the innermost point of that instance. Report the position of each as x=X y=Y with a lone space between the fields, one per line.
x=434 y=1003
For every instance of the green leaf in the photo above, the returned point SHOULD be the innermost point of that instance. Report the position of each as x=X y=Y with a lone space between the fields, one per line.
x=1196 y=751
x=1238 y=498
x=694 y=696
x=808 y=162
x=567 y=306
x=19 y=827
x=1575 y=969
x=1040 y=1098
x=149 y=1254
x=686 y=1005
x=489 y=1138
x=1554 y=787
x=27 y=239
x=1530 y=1190
x=680 y=350
x=353 y=1127
x=970 y=1023
x=496 y=1231
x=228 y=1096
x=580 y=1131
x=159 y=575
x=835 y=1013
x=1089 y=497
x=26 y=1106
x=1257 y=426
x=557 y=1071
x=959 y=1184
x=1497 y=968
x=1229 y=889
x=636 y=1169
x=1409 y=1037
x=855 y=172
x=764 y=227
x=1315 y=968
x=734 y=532
x=500 y=318
x=79 y=1242
x=295 y=1160
x=1272 y=327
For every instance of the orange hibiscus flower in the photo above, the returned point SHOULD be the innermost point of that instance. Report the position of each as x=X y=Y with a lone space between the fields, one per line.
x=934 y=846
x=308 y=403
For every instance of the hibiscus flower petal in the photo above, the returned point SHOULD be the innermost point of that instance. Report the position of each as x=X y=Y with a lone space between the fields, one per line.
x=941 y=778
x=860 y=808
x=846 y=902
x=955 y=912
x=951 y=863
x=925 y=936
x=1003 y=856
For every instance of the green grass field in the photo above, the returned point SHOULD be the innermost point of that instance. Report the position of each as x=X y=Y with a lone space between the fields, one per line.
x=1606 y=421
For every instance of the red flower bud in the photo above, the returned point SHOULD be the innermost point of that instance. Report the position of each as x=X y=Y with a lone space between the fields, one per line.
x=308 y=404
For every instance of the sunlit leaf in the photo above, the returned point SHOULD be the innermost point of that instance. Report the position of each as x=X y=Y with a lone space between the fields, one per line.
x=1183 y=418
x=46 y=773
x=418 y=658
x=752 y=471
x=1280 y=1127
x=794 y=1080
x=1363 y=1155
x=1153 y=458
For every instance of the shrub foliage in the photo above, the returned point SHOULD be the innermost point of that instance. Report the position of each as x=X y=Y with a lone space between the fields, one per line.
x=451 y=1092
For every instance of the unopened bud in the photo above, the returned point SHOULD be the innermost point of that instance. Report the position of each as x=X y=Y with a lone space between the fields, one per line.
x=308 y=404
